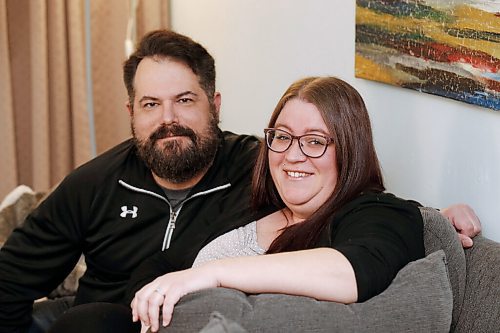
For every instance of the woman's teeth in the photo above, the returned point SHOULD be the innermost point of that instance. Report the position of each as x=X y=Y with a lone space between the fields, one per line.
x=295 y=174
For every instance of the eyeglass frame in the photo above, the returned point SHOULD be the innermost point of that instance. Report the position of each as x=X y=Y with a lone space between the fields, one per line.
x=296 y=137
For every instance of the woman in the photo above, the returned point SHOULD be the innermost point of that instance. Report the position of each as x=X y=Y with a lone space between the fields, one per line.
x=338 y=236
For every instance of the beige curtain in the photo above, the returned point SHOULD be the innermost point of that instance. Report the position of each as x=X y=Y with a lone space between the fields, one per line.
x=45 y=123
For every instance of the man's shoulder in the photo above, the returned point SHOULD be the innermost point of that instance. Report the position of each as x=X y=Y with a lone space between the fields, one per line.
x=240 y=139
x=107 y=163
x=240 y=146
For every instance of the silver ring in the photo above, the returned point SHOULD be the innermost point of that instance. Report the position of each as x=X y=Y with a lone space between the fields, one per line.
x=159 y=292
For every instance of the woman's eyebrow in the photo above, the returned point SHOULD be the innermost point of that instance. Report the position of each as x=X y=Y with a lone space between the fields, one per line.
x=307 y=130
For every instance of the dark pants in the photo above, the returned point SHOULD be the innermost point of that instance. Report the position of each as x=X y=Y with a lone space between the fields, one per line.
x=96 y=318
x=45 y=313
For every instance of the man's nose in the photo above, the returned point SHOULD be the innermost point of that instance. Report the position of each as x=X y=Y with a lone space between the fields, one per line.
x=168 y=114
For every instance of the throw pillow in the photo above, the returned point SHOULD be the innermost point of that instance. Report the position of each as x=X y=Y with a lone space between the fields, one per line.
x=418 y=300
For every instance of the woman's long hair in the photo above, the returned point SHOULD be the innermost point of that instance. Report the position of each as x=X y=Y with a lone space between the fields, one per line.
x=347 y=120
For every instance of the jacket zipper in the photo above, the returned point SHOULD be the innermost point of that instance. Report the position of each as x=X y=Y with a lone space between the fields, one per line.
x=173 y=214
x=170 y=229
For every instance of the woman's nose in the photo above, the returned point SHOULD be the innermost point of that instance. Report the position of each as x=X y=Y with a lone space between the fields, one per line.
x=294 y=153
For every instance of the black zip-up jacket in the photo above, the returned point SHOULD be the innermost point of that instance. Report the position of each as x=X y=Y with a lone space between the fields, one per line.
x=112 y=211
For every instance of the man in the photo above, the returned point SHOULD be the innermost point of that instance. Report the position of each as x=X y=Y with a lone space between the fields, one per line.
x=178 y=183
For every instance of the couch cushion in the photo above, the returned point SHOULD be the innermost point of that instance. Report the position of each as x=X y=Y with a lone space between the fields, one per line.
x=418 y=300
x=439 y=234
x=220 y=324
x=14 y=209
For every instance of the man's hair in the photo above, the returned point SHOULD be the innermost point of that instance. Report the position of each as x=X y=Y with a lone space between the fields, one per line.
x=348 y=123
x=168 y=44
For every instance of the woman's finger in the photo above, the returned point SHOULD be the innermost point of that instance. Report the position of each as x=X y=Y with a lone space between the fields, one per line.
x=168 y=306
x=133 y=305
x=155 y=302
x=142 y=305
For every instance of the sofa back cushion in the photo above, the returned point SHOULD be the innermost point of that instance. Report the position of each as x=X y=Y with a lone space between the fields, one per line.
x=439 y=234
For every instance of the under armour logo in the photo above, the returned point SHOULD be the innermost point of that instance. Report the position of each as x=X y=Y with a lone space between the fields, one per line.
x=126 y=211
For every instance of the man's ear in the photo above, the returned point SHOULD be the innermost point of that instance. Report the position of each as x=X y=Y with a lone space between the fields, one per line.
x=129 y=108
x=217 y=101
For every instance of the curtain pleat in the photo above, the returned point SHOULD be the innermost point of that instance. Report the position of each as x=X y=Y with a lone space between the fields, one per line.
x=19 y=49
x=79 y=121
x=60 y=110
x=151 y=15
x=8 y=167
x=45 y=128
x=109 y=25
x=39 y=88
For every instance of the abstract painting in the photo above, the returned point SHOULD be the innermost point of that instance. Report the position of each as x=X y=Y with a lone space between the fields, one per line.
x=449 y=48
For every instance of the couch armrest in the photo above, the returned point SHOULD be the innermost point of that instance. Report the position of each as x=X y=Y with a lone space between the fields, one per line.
x=481 y=304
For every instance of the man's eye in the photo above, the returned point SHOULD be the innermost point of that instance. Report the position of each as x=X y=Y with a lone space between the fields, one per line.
x=149 y=105
x=185 y=100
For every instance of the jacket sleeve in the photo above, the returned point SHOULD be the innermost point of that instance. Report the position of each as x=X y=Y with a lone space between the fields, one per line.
x=38 y=256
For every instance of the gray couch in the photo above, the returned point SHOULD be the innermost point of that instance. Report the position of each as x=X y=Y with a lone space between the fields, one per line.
x=451 y=290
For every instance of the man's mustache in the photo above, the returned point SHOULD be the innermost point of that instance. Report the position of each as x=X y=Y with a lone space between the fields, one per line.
x=165 y=131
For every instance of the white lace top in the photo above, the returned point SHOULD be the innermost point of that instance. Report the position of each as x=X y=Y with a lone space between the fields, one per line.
x=235 y=243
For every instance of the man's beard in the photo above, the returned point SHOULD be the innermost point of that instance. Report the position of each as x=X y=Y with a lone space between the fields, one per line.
x=179 y=162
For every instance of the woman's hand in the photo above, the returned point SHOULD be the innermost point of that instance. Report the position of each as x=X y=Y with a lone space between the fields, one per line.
x=465 y=221
x=166 y=291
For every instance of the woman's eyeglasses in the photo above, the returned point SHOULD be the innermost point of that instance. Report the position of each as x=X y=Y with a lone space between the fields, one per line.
x=311 y=145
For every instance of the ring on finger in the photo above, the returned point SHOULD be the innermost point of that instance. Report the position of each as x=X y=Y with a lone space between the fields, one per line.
x=157 y=290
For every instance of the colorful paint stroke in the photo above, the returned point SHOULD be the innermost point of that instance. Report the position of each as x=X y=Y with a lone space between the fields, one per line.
x=449 y=48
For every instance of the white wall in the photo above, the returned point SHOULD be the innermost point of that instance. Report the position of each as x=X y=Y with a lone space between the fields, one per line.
x=432 y=149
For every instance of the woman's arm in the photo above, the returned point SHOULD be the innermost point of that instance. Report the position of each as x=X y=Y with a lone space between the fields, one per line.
x=322 y=273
